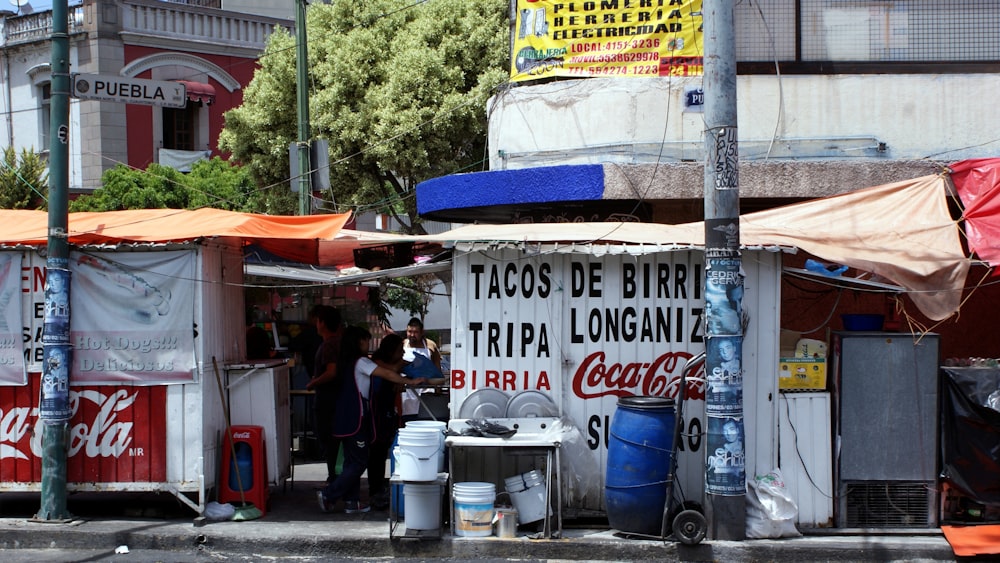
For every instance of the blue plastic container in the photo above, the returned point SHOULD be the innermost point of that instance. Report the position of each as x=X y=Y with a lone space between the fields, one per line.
x=639 y=449
x=242 y=463
x=863 y=322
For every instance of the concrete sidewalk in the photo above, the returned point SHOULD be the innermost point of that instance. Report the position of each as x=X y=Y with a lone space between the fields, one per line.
x=294 y=526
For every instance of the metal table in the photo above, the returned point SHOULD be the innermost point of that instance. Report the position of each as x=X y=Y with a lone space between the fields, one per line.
x=530 y=436
x=395 y=479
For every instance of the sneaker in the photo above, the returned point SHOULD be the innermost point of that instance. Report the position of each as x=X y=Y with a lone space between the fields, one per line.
x=354 y=507
x=324 y=505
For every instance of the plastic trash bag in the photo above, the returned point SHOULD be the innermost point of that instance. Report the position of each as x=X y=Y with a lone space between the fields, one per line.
x=487 y=429
x=580 y=468
x=771 y=511
x=216 y=511
x=421 y=366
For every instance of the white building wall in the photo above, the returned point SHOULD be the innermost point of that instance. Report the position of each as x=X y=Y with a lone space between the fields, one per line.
x=915 y=116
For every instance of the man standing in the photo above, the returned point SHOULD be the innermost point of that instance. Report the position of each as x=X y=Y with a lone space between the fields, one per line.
x=417 y=344
x=324 y=383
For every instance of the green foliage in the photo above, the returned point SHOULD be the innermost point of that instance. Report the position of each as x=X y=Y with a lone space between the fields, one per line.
x=377 y=307
x=211 y=183
x=23 y=180
x=399 y=93
x=410 y=294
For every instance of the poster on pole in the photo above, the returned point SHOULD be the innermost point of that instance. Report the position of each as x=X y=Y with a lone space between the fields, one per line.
x=132 y=317
x=725 y=470
x=615 y=38
x=12 y=370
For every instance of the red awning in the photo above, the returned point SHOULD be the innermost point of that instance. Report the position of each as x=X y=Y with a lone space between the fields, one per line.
x=199 y=91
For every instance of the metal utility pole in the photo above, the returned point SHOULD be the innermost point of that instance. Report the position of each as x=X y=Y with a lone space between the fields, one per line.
x=53 y=408
x=725 y=480
x=302 y=95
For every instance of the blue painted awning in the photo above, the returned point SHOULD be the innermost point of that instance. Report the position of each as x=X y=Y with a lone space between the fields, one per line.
x=481 y=194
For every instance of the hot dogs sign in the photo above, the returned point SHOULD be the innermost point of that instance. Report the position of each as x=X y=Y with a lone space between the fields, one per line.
x=132 y=316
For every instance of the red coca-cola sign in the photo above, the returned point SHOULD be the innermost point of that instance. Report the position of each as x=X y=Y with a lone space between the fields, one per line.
x=661 y=377
x=116 y=434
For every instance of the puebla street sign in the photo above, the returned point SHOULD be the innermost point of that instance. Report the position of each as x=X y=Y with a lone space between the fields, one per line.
x=112 y=88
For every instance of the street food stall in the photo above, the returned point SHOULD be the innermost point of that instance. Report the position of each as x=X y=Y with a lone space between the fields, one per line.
x=157 y=302
x=551 y=336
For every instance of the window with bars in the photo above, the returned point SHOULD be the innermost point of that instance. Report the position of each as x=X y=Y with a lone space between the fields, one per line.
x=882 y=31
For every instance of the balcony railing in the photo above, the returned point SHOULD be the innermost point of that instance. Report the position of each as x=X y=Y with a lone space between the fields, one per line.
x=38 y=26
x=217 y=4
x=196 y=21
x=150 y=18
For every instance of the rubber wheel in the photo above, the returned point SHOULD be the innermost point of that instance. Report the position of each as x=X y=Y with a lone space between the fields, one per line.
x=690 y=527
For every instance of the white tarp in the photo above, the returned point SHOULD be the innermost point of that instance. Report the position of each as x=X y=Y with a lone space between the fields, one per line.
x=11 y=347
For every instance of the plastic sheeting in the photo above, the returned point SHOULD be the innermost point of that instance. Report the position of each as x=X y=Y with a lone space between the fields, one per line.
x=977 y=182
x=902 y=231
x=970 y=442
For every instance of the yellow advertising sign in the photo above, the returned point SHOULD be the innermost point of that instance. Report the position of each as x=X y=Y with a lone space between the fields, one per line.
x=621 y=38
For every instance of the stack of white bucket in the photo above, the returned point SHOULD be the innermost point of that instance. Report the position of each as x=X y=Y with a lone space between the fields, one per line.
x=527 y=492
x=420 y=456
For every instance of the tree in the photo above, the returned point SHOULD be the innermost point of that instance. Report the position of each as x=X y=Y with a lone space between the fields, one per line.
x=398 y=93
x=23 y=180
x=410 y=294
x=211 y=183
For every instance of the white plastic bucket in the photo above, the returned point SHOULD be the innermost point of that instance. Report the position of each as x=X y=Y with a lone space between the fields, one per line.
x=474 y=508
x=438 y=426
x=527 y=493
x=514 y=484
x=533 y=478
x=423 y=503
x=419 y=450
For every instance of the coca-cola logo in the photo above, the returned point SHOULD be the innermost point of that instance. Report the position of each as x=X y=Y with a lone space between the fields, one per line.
x=661 y=377
x=241 y=435
x=104 y=436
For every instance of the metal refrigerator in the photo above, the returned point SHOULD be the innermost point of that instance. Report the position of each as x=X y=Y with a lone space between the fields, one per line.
x=886 y=395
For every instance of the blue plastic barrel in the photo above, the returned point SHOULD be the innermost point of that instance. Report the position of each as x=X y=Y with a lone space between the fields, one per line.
x=242 y=463
x=635 y=486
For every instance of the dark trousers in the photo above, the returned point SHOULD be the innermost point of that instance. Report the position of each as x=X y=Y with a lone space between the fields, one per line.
x=347 y=485
x=378 y=454
x=329 y=444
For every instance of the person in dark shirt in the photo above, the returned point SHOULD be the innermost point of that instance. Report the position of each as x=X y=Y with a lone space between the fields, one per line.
x=355 y=422
x=303 y=345
x=324 y=383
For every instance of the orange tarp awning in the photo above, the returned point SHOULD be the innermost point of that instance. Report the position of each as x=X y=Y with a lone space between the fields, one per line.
x=295 y=238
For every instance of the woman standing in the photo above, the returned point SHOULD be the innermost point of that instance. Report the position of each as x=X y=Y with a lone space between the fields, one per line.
x=354 y=421
x=390 y=356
